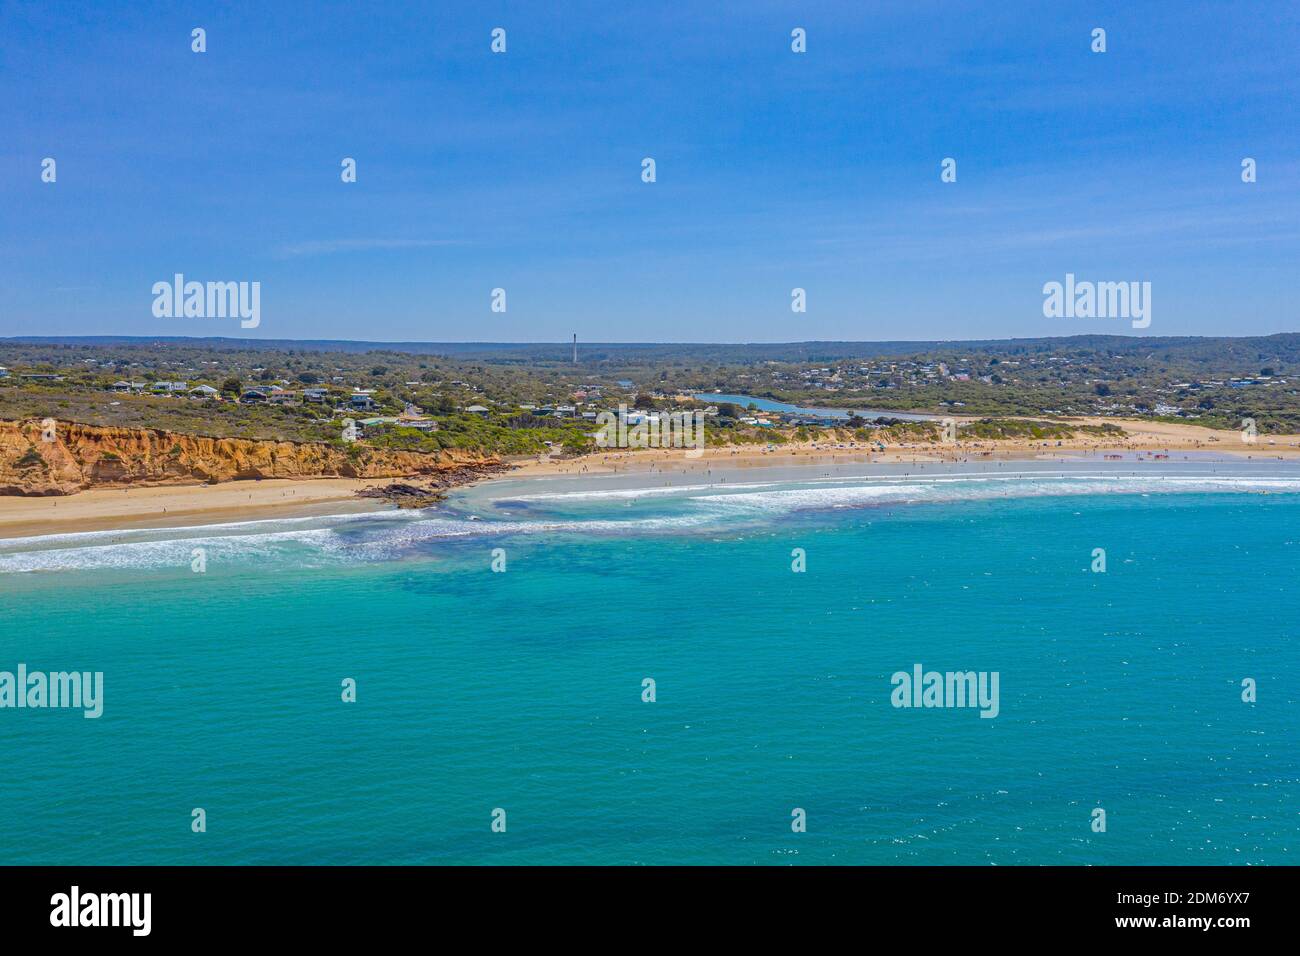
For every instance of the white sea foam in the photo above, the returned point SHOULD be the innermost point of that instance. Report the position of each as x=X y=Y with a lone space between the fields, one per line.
x=613 y=494
x=967 y=489
x=306 y=546
x=130 y=535
x=380 y=536
x=832 y=490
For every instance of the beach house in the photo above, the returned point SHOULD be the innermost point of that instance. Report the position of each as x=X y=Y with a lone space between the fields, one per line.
x=362 y=400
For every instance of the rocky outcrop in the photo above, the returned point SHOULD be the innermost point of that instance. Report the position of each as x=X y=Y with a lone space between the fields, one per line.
x=89 y=456
x=433 y=489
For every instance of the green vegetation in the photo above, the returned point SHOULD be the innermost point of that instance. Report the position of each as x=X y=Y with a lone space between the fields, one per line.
x=31 y=459
x=989 y=428
x=531 y=398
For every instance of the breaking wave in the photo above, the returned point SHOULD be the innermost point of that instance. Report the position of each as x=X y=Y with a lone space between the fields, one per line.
x=698 y=508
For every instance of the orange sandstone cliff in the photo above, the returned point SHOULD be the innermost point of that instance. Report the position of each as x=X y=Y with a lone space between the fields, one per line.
x=89 y=456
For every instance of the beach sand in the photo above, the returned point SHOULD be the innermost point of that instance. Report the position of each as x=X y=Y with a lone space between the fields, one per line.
x=165 y=506
x=170 y=506
x=1144 y=438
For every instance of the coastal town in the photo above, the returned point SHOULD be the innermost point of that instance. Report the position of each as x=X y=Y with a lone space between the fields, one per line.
x=521 y=399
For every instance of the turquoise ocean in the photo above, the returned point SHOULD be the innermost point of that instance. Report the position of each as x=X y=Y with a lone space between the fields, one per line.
x=522 y=689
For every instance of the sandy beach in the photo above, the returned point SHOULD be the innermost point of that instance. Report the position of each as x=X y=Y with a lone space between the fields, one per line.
x=164 y=506
x=169 y=506
x=1147 y=439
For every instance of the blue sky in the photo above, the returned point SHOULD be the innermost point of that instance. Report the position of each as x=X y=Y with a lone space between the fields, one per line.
x=775 y=170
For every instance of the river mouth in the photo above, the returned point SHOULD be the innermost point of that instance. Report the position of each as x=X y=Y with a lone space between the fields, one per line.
x=785 y=408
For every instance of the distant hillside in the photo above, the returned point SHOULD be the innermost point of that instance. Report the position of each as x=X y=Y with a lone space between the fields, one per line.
x=1218 y=351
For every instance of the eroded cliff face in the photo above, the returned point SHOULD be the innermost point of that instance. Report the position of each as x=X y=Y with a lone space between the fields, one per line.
x=89 y=456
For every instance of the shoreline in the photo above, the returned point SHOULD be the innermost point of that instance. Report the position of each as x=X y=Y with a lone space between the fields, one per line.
x=1142 y=438
x=171 y=505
